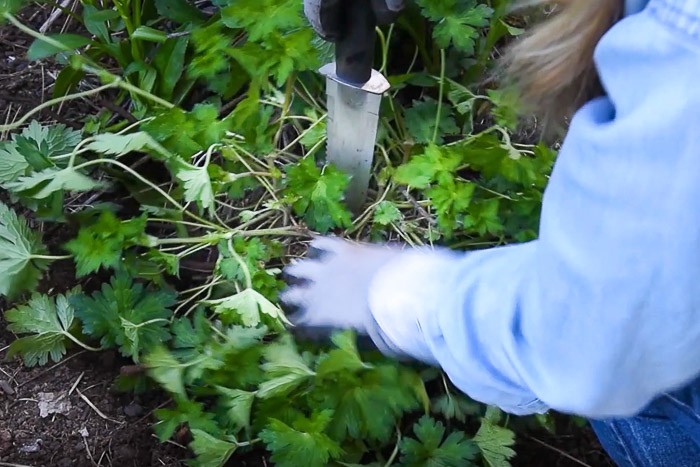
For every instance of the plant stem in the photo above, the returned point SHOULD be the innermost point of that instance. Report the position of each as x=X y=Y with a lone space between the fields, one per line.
x=37 y=35
x=174 y=221
x=440 y=95
x=395 y=452
x=152 y=321
x=81 y=344
x=50 y=258
x=132 y=172
x=385 y=51
x=281 y=231
x=241 y=263
x=288 y=93
x=209 y=239
x=52 y=102
x=242 y=444
x=136 y=90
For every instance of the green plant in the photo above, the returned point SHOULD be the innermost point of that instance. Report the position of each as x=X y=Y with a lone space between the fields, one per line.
x=212 y=174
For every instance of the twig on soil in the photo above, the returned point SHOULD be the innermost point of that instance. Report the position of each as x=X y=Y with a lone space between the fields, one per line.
x=9 y=376
x=559 y=451
x=51 y=369
x=97 y=411
x=168 y=441
x=102 y=456
x=54 y=16
x=89 y=453
x=75 y=385
x=149 y=414
x=7 y=464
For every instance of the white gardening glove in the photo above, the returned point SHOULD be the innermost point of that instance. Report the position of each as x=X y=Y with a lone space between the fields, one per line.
x=336 y=288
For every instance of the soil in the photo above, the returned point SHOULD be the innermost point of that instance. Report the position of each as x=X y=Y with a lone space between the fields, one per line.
x=97 y=426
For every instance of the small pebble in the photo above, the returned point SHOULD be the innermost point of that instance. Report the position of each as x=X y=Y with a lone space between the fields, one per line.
x=6 y=388
x=133 y=410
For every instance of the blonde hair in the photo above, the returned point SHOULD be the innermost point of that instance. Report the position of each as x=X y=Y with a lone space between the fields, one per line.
x=551 y=66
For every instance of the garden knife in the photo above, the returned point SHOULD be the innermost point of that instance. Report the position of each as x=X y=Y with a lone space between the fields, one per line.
x=354 y=92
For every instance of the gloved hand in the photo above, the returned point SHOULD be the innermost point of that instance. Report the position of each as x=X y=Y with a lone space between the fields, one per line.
x=328 y=289
x=327 y=16
x=347 y=285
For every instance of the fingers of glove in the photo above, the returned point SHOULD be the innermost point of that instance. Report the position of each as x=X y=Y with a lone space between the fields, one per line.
x=303 y=270
x=325 y=17
x=295 y=298
x=325 y=245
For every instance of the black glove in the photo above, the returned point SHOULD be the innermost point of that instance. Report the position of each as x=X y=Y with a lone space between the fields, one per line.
x=327 y=17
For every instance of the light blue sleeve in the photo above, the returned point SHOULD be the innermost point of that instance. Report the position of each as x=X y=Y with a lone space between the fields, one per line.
x=601 y=313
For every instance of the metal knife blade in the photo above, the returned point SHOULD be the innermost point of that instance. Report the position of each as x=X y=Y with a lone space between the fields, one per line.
x=353 y=118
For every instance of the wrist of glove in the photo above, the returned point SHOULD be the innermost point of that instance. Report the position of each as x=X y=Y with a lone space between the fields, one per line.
x=381 y=292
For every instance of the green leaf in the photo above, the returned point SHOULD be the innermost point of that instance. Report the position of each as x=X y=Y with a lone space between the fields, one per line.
x=495 y=443
x=247 y=307
x=101 y=244
x=286 y=368
x=506 y=106
x=41 y=145
x=197 y=185
x=279 y=55
x=118 y=145
x=435 y=163
x=170 y=63
x=387 y=213
x=20 y=269
x=126 y=315
x=422 y=117
x=68 y=42
x=261 y=18
x=455 y=406
x=186 y=133
x=9 y=7
x=95 y=21
x=163 y=367
x=49 y=322
x=238 y=405
x=457 y=22
x=252 y=251
x=186 y=412
x=452 y=201
x=147 y=33
x=43 y=184
x=191 y=333
x=432 y=449
x=368 y=404
x=180 y=11
x=303 y=443
x=210 y=451
x=345 y=358
x=12 y=164
x=66 y=81
x=317 y=195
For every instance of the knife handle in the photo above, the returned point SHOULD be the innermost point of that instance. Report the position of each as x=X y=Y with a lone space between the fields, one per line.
x=354 y=51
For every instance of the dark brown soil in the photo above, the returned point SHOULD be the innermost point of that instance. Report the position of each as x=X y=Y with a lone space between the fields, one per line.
x=100 y=427
x=103 y=427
